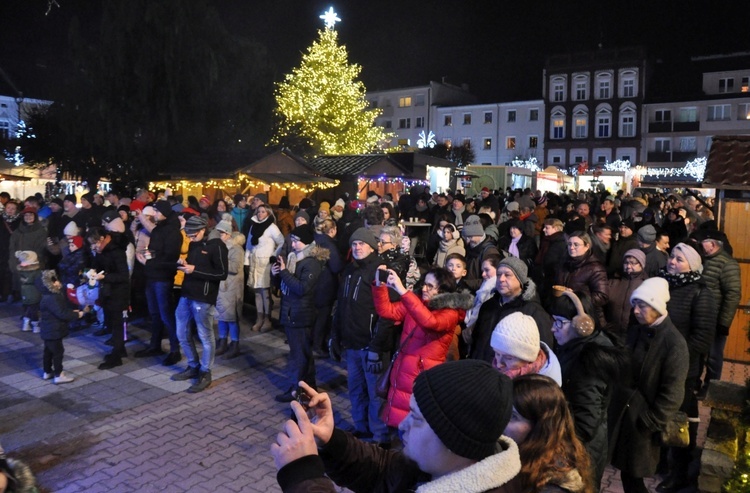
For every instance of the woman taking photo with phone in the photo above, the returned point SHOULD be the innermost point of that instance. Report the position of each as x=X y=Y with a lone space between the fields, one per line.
x=429 y=323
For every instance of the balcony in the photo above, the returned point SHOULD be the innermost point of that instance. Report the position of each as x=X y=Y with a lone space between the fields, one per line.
x=683 y=157
x=687 y=126
x=656 y=127
x=659 y=157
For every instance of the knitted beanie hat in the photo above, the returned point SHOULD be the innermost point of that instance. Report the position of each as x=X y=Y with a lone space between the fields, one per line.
x=691 y=255
x=472 y=227
x=340 y=203
x=647 y=234
x=27 y=257
x=163 y=207
x=364 y=235
x=324 y=206
x=637 y=254
x=517 y=335
x=70 y=198
x=305 y=234
x=225 y=226
x=519 y=268
x=195 y=224
x=304 y=215
x=655 y=292
x=76 y=242
x=512 y=206
x=71 y=229
x=467 y=404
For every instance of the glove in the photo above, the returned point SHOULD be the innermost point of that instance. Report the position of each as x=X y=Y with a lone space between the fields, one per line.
x=374 y=362
x=334 y=349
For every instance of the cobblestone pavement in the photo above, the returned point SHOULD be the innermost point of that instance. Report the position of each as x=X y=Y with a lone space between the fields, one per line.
x=133 y=429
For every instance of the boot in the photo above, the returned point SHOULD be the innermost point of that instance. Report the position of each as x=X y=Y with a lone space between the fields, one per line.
x=258 y=322
x=204 y=381
x=259 y=308
x=35 y=327
x=186 y=374
x=26 y=327
x=221 y=346
x=266 y=325
x=233 y=351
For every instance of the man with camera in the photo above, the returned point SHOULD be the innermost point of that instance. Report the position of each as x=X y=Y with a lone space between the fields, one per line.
x=297 y=277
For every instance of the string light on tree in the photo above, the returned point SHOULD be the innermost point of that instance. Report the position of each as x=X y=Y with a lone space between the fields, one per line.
x=330 y=18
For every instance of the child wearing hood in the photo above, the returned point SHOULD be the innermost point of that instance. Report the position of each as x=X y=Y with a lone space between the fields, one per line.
x=28 y=272
x=56 y=316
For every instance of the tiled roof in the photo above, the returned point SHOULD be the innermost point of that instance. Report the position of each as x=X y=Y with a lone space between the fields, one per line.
x=728 y=162
x=353 y=164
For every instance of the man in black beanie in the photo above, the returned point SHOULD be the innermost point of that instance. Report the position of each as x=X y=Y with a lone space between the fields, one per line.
x=452 y=440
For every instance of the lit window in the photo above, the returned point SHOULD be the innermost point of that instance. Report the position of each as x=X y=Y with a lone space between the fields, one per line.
x=745 y=85
x=467 y=118
x=580 y=129
x=404 y=102
x=448 y=120
x=534 y=115
x=487 y=117
x=743 y=111
x=419 y=122
x=511 y=115
x=726 y=85
x=487 y=144
x=718 y=112
x=533 y=142
x=558 y=127
x=510 y=143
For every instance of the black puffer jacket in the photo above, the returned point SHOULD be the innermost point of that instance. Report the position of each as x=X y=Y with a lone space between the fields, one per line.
x=591 y=367
x=722 y=275
x=587 y=274
x=298 y=300
x=165 y=245
x=355 y=320
x=55 y=311
x=692 y=309
x=114 y=289
x=328 y=282
x=211 y=262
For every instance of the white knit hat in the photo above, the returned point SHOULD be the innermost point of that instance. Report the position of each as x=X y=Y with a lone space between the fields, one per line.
x=691 y=255
x=71 y=229
x=340 y=203
x=517 y=335
x=655 y=292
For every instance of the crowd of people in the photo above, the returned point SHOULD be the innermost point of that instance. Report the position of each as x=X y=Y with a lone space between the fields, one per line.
x=575 y=325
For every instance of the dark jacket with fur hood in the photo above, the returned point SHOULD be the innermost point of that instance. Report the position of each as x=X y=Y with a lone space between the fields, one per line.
x=493 y=310
x=56 y=313
x=428 y=330
x=298 y=288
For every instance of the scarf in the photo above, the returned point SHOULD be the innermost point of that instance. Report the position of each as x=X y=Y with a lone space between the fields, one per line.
x=291 y=263
x=529 y=368
x=513 y=248
x=682 y=279
x=421 y=208
x=459 y=213
x=257 y=229
x=12 y=218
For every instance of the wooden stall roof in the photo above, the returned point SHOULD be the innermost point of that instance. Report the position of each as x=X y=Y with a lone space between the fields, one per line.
x=283 y=167
x=397 y=164
x=728 y=163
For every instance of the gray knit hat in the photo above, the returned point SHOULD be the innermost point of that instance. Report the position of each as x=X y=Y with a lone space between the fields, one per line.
x=195 y=224
x=518 y=267
x=467 y=404
x=225 y=226
x=637 y=254
x=647 y=234
x=366 y=236
x=472 y=227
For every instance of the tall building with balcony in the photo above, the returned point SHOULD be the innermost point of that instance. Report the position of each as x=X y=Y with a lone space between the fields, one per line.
x=409 y=111
x=690 y=104
x=593 y=103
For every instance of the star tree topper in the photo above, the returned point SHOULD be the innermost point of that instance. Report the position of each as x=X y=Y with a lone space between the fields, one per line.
x=330 y=18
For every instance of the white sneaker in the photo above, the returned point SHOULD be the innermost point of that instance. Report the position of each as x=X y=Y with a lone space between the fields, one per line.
x=48 y=376
x=26 y=327
x=63 y=378
x=35 y=327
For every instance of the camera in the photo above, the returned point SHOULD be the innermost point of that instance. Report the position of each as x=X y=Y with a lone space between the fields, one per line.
x=383 y=275
x=273 y=259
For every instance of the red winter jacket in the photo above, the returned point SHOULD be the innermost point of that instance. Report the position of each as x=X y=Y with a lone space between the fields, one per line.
x=433 y=325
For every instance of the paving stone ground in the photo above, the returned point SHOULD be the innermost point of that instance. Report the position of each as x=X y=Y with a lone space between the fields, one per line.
x=133 y=429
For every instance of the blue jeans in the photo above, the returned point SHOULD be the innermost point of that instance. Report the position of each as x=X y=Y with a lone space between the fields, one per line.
x=301 y=362
x=202 y=313
x=161 y=310
x=229 y=328
x=365 y=403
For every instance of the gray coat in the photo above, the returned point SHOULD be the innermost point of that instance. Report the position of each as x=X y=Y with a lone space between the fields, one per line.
x=231 y=290
x=638 y=414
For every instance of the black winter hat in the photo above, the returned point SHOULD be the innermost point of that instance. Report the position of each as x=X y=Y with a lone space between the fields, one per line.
x=305 y=234
x=467 y=404
x=163 y=207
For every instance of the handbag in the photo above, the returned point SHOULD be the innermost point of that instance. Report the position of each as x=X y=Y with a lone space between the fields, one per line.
x=675 y=433
x=383 y=383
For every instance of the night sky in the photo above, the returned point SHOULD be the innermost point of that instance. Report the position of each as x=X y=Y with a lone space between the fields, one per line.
x=497 y=47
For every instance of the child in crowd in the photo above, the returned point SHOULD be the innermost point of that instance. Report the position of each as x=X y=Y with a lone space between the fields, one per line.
x=28 y=272
x=456 y=265
x=56 y=316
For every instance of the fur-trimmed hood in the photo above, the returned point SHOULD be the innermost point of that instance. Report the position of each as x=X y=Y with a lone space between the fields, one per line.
x=22 y=479
x=486 y=475
x=46 y=282
x=529 y=291
x=462 y=300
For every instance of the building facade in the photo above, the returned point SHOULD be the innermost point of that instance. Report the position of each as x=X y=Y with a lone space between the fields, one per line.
x=593 y=102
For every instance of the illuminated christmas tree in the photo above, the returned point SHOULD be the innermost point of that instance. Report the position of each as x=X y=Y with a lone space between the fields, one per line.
x=321 y=107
